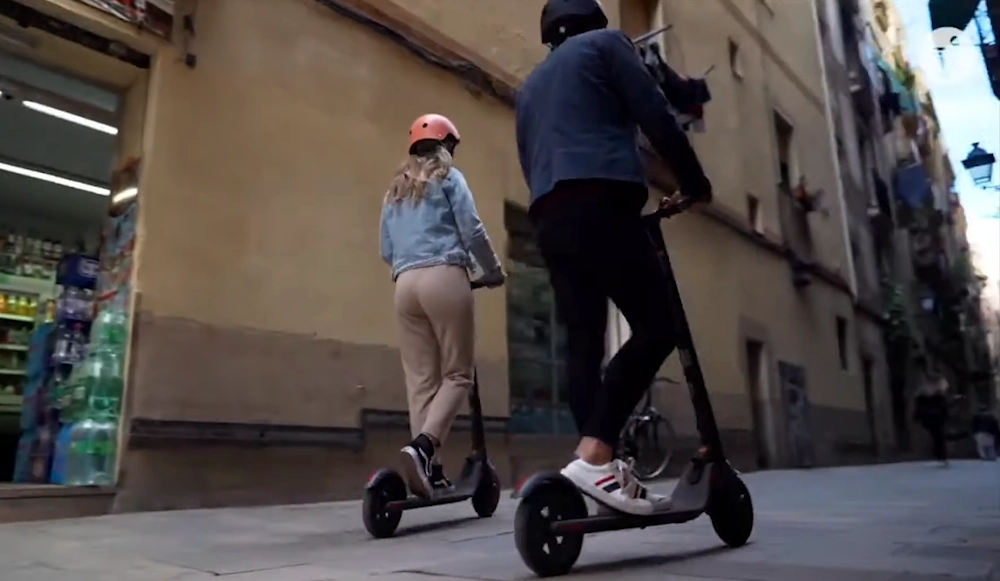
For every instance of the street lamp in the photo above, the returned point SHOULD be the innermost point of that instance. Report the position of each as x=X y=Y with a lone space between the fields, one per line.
x=979 y=163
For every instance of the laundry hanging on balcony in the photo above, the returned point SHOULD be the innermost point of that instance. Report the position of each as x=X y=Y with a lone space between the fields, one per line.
x=907 y=100
x=913 y=186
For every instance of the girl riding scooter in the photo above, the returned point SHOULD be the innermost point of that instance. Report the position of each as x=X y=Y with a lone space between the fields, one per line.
x=431 y=233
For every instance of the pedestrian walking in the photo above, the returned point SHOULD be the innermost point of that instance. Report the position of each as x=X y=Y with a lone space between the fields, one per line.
x=931 y=412
x=986 y=433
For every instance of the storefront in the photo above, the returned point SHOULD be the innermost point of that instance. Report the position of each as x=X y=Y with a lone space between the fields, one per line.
x=69 y=134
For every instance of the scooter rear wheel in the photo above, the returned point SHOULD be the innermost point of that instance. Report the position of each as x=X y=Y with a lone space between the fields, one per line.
x=730 y=507
x=379 y=521
x=486 y=498
x=543 y=551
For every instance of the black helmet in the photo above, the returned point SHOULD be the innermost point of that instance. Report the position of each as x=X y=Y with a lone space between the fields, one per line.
x=564 y=18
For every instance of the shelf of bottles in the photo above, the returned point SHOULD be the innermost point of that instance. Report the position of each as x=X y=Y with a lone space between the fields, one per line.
x=17 y=322
x=69 y=418
x=27 y=277
x=28 y=256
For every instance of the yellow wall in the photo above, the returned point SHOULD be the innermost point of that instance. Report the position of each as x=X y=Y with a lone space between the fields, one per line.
x=262 y=194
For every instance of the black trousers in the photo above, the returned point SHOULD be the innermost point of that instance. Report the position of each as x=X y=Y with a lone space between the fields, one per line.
x=939 y=443
x=596 y=248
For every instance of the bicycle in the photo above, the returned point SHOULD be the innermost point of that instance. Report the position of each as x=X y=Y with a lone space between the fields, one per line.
x=648 y=437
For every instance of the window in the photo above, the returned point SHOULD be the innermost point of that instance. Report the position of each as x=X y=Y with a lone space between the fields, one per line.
x=735 y=59
x=753 y=212
x=783 y=132
x=842 y=341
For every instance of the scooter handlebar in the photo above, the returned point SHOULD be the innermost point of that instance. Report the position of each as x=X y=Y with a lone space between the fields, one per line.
x=667 y=211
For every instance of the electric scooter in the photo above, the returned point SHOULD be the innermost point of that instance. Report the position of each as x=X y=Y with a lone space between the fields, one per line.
x=386 y=495
x=553 y=517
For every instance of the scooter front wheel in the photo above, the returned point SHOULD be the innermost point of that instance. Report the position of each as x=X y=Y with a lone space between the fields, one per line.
x=486 y=498
x=380 y=521
x=730 y=507
x=542 y=550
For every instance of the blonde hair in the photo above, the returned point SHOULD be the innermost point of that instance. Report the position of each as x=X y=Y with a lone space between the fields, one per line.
x=416 y=172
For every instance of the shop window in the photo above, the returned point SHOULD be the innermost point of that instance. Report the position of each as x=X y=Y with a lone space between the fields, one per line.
x=536 y=337
x=842 y=342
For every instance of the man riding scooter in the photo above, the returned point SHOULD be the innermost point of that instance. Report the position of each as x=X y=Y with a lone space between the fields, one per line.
x=577 y=119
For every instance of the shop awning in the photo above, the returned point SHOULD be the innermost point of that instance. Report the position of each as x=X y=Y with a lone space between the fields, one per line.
x=952 y=13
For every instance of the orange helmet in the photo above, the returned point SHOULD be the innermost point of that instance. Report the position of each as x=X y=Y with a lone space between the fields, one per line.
x=432 y=126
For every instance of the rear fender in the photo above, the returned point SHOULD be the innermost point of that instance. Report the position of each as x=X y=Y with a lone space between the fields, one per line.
x=540 y=479
x=384 y=477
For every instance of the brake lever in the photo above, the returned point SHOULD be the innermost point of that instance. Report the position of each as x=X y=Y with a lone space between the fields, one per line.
x=670 y=210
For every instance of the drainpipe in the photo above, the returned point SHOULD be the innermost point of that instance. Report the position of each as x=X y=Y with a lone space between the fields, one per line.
x=852 y=279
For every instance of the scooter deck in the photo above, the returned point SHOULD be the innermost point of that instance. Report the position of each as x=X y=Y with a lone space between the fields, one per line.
x=463 y=490
x=688 y=502
x=617 y=521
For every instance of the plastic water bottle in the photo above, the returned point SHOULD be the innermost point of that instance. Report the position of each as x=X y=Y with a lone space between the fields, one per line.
x=93 y=444
x=101 y=381
x=64 y=349
x=110 y=329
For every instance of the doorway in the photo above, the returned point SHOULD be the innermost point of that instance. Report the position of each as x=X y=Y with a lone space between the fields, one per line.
x=760 y=404
x=536 y=337
x=867 y=376
x=70 y=118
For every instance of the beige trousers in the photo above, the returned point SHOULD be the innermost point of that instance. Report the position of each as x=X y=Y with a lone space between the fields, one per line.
x=434 y=307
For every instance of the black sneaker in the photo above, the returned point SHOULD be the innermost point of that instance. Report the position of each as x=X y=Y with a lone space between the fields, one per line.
x=438 y=480
x=417 y=468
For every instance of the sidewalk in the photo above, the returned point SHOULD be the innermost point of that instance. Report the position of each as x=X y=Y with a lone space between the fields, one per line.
x=905 y=522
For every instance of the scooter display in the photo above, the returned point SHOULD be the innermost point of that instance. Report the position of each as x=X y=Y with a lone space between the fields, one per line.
x=386 y=496
x=553 y=517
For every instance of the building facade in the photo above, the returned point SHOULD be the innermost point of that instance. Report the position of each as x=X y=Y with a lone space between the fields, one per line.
x=865 y=165
x=263 y=363
x=930 y=289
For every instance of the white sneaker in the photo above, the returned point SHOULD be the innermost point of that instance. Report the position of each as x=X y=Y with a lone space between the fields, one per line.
x=635 y=489
x=612 y=485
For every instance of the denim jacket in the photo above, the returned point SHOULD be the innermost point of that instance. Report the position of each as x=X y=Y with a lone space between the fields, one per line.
x=442 y=228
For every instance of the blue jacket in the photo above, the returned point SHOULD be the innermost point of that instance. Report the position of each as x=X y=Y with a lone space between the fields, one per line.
x=579 y=112
x=442 y=228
